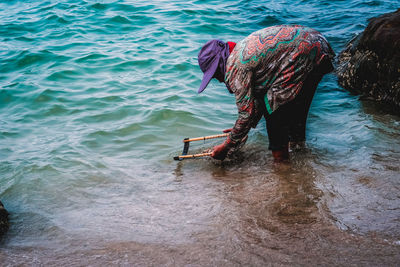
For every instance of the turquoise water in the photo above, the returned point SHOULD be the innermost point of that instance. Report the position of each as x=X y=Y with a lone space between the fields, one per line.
x=95 y=99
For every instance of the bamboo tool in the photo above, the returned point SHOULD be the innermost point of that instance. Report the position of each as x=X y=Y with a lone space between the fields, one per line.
x=193 y=156
x=186 y=144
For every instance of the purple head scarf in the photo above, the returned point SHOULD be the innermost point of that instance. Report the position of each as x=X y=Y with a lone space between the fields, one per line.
x=212 y=59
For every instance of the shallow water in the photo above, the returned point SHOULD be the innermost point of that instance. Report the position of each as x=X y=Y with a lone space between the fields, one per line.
x=95 y=99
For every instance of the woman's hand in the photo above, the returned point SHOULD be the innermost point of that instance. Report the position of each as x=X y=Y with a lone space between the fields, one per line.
x=219 y=152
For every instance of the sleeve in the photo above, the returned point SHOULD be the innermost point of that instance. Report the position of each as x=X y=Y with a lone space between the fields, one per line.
x=248 y=116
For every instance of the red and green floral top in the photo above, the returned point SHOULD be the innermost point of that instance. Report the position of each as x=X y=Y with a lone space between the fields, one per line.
x=267 y=69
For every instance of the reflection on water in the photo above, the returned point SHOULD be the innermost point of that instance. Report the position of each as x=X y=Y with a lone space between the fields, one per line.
x=245 y=211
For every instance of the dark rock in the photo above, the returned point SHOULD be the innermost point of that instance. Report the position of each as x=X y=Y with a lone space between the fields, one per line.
x=3 y=219
x=370 y=64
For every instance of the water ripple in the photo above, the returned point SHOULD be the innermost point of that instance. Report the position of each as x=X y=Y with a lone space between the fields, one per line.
x=96 y=97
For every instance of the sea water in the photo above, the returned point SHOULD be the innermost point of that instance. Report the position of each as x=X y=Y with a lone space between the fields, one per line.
x=95 y=99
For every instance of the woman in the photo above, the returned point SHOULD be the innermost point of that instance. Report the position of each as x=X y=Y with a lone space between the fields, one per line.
x=273 y=73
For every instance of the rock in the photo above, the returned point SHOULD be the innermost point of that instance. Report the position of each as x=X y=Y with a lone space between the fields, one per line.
x=370 y=64
x=3 y=219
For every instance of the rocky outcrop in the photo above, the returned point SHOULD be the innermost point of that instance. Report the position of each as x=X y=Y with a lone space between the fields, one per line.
x=370 y=64
x=3 y=219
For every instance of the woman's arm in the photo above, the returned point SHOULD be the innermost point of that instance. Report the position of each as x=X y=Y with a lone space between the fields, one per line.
x=247 y=115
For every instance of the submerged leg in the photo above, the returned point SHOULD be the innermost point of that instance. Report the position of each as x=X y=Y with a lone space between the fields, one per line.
x=299 y=111
x=277 y=128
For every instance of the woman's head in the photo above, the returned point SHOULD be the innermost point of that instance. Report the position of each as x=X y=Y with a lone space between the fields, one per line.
x=212 y=61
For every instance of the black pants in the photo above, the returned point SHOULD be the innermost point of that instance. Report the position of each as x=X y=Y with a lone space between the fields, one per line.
x=288 y=122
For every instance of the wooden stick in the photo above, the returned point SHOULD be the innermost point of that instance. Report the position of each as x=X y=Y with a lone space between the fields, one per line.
x=205 y=137
x=193 y=156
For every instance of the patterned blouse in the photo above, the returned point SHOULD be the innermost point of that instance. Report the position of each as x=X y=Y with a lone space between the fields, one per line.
x=267 y=69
